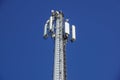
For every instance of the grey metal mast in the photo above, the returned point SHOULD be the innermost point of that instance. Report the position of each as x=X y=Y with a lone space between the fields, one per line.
x=58 y=28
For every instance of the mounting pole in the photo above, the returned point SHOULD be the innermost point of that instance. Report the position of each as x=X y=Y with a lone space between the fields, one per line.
x=58 y=28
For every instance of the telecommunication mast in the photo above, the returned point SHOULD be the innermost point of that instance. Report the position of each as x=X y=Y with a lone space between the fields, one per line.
x=59 y=29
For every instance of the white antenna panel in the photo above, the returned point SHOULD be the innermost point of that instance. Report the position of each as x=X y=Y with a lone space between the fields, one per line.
x=67 y=28
x=50 y=24
x=73 y=33
x=45 y=30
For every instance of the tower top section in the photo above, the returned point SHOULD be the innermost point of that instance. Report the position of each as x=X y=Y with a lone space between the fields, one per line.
x=50 y=26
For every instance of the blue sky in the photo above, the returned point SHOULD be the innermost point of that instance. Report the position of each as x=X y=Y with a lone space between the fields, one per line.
x=25 y=55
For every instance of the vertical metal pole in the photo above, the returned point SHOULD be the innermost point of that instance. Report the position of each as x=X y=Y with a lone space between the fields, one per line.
x=56 y=54
x=61 y=38
x=61 y=49
x=59 y=71
x=64 y=59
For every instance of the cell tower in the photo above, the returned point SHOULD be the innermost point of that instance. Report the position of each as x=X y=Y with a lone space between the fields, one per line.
x=59 y=29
